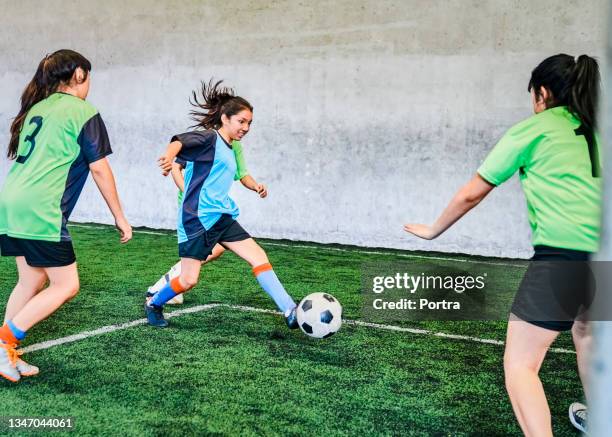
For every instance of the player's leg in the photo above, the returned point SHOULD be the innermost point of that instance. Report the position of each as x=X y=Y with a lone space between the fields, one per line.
x=526 y=347
x=188 y=278
x=176 y=271
x=218 y=250
x=252 y=253
x=63 y=286
x=583 y=338
x=30 y=281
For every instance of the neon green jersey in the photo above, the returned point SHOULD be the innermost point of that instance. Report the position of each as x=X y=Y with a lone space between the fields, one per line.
x=558 y=164
x=241 y=170
x=61 y=136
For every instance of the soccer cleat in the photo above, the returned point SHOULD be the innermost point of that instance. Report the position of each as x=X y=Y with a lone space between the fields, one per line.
x=155 y=316
x=578 y=416
x=26 y=369
x=291 y=319
x=8 y=362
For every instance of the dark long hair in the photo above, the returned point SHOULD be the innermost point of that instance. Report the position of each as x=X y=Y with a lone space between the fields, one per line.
x=572 y=83
x=214 y=101
x=54 y=69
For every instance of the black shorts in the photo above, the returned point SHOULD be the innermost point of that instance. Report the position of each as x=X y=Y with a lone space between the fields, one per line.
x=556 y=290
x=225 y=230
x=38 y=253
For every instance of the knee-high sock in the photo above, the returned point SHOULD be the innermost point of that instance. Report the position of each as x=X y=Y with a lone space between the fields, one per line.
x=270 y=283
x=167 y=292
x=167 y=277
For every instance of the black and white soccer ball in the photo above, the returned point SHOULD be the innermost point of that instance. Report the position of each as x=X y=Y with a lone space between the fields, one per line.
x=319 y=315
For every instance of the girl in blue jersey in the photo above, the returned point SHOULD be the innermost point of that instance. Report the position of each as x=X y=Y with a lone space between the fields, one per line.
x=242 y=174
x=207 y=215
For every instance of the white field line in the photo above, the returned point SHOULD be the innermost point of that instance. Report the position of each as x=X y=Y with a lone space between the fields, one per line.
x=336 y=249
x=111 y=328
x=199 y=308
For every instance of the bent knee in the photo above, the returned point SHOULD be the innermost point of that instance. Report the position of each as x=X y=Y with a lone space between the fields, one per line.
x=515 y=367
x=32 y=288
x=72 y=290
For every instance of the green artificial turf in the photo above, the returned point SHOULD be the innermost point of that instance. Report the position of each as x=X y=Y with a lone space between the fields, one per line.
x=225 y=372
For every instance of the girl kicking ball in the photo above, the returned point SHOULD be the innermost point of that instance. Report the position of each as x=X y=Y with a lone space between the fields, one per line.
x=178 y=167
x=207 y=215
x=556 y=154
x=57 y=138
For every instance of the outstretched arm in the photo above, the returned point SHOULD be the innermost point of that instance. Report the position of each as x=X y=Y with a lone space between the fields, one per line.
x=249 y=182
x=165 y=161
x=470 y=195
x=103 y=176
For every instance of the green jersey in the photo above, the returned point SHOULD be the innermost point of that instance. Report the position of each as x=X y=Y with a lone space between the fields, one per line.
x=558 y=165
x=60 y=137
x=241 y=170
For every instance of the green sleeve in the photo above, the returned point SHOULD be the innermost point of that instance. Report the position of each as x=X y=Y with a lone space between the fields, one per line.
x=511 y=152
x=241 y=170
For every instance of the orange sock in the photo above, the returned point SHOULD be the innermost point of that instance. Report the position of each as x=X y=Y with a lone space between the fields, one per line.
x=262 y=268
x=176 y=286
x=7 y=336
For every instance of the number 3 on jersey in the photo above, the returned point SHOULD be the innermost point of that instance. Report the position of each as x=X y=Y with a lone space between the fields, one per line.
x=31 y=138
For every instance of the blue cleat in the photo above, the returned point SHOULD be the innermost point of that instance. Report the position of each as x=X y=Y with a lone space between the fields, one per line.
x=291 y=319
x=155 y=316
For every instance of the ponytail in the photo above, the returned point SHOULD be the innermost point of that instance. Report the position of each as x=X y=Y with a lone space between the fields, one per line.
x=584 y=95
x=571 y=83
x=54 y=69
x=215 y=101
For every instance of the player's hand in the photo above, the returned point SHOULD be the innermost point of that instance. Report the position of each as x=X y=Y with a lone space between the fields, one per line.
x=422 y=231
x=262 y=190
x=125 y=230
x=165 y=163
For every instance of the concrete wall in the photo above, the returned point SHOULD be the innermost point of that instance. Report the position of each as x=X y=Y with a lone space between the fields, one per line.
x=368 y=114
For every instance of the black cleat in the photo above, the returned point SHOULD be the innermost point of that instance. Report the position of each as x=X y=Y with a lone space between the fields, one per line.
x=291 y=319
x=155 y=316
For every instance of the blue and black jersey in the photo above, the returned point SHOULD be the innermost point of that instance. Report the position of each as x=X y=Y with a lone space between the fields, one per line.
x=210 y=167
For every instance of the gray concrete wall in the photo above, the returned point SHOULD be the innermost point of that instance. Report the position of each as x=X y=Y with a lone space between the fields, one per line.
x=368 y=114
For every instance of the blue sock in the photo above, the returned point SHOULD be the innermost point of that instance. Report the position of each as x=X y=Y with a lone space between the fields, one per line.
x=270 y=283
x=165 y=294
x=18 y=333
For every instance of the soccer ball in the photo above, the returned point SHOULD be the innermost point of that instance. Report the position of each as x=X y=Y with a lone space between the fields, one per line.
x=319 y=315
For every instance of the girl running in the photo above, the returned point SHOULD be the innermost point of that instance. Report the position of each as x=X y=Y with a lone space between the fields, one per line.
x=242 y=174
x=556 y=154
x=207 y=215
x=56 y=139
